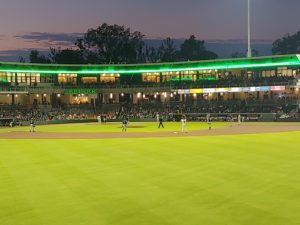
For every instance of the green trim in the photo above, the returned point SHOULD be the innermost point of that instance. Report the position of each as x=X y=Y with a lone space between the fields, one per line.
x=226 y=64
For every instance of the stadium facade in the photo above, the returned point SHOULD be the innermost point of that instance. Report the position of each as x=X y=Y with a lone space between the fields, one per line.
x=260 y=78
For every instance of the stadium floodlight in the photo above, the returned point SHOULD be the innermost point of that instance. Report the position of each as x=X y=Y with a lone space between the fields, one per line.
x=249 y=52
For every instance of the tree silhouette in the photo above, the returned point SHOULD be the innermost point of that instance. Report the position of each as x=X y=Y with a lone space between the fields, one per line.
x=167 y=52
x=151 y=54
x=193 y=49
x=35 y=57
x=66 y=56
x=289 y=44
x=112 y=44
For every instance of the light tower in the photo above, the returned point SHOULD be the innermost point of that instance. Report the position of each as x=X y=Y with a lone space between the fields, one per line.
x=249 y=51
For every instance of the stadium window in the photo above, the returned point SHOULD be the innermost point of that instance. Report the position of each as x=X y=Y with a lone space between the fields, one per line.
x=268 y=73
x=294 y=73
x=67 y=78
x=189 y=76
x=250 y=74
x=38 y=78
x=9 y=77
x=284 y=71
x=170 y=76
x=21 y=78
x=151 y=77
x=46 y=78
x=109 y=78
x=34 y=78
x=89 y=80
x=211 y=74
x=3 y=77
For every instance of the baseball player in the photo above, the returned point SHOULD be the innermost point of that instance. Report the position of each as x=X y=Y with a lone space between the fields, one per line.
x=157 y=117
x=239 y=119
x=183 y=124
x=207 y=117
x=99 y=119
x=209 y=124
x=161 y=122
x=32 y=126
x=124 y=125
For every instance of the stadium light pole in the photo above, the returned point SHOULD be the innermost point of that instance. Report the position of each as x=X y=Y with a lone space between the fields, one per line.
x=249 y=52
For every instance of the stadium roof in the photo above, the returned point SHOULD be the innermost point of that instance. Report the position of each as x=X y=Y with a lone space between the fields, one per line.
x=221 y=64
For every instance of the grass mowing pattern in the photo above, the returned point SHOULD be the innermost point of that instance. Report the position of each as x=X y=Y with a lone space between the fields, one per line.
x=116 y=127
x=242 y=179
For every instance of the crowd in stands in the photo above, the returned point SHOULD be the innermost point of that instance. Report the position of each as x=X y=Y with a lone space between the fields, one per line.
x=149 y=111
x=22 y=115
x=218 y=107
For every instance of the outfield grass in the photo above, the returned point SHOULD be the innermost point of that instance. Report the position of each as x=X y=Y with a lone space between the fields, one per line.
x=116 y=127
x=234 y=180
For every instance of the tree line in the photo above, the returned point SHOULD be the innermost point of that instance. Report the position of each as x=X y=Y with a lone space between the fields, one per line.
x=115 y=44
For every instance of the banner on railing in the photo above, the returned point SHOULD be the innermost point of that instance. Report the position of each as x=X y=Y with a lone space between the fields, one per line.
x=231 y=90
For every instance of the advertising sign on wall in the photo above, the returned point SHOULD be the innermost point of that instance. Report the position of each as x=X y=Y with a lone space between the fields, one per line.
x=80 y=91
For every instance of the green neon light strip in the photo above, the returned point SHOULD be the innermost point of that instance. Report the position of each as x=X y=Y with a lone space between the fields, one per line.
x=130 y=71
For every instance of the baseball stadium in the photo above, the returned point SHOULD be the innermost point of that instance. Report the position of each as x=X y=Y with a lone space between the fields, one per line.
x=67 y=159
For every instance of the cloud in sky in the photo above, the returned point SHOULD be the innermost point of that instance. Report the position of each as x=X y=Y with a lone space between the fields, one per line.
x=50 y=37
x=38 y=40
x=48 y=40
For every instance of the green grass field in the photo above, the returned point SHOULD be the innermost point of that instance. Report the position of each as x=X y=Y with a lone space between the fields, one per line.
x=215 y=180
x=116 y=127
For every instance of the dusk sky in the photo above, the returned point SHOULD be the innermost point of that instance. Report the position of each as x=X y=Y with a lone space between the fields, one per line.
x=42 y=23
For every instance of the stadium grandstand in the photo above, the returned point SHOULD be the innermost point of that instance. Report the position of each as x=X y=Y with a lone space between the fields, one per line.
x=265 y=87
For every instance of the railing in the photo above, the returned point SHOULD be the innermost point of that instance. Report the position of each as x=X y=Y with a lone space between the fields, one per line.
x=136 y=87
